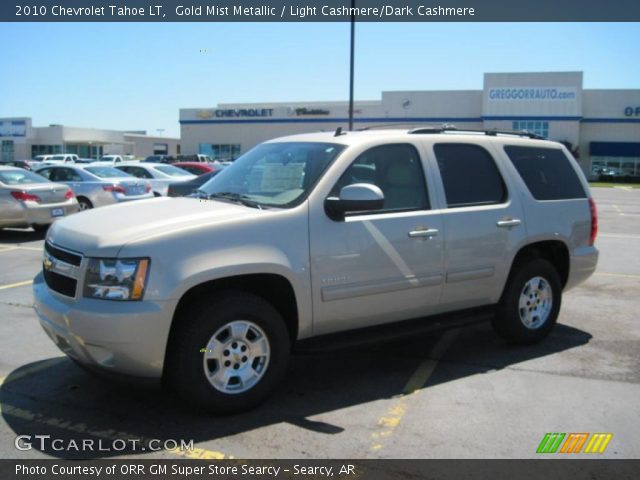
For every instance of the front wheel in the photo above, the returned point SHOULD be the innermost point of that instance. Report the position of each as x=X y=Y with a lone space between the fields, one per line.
x=530 y=303
x=229 y=352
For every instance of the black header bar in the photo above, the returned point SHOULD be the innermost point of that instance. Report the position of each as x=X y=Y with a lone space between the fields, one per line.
x=319 y=11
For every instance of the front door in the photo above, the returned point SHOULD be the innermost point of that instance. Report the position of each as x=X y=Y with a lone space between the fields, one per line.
x=381 y=266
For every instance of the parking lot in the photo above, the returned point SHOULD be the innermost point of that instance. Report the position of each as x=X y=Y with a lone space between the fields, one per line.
x=461 y=393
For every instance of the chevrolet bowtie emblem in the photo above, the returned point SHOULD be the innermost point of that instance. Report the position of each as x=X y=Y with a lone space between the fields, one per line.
x=48 y=264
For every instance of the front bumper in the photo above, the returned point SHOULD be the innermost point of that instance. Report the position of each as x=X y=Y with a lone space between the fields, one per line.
x=127 y=338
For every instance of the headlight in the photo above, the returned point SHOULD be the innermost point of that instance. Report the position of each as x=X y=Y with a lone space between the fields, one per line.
x=116 y=279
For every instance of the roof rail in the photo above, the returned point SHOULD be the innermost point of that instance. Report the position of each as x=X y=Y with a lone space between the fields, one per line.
x=389 y=125
x=491 y=133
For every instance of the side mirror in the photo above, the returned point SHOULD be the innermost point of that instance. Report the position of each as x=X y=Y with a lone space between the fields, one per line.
x=359 y=197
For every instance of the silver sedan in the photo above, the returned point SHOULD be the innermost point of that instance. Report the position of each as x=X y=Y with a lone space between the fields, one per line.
x=159 y=174
x=98 y=185
x=29 y=200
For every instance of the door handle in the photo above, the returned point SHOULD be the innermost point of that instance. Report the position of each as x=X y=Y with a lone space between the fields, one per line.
x=426 y=233
x=512 y=222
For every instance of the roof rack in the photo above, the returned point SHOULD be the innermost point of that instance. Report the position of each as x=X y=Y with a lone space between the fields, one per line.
x=491 y=133
x=388 y=125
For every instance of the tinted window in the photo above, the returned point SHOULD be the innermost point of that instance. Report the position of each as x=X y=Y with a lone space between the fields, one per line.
x=397 y=170
x=136 y=172
x=469 y=175
x=547 y=172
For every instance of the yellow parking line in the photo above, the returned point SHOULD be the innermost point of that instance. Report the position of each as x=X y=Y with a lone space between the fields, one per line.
x=621 y=275
x=617 y=235
x=618 y=209
x=18 y=284
x=394 y=414
x=426 y=368
x=7 y=249
x=35 y=249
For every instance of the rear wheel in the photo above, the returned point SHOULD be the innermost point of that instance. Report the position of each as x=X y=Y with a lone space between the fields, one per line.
x=229 y=352
x=84 y=204
x=530 y=303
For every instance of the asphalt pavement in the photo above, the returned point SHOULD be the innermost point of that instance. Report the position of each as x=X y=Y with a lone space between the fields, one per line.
x=460 y=393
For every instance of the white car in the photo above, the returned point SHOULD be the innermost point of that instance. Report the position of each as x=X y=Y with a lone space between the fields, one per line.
x=160 y=175
x=61 y=158
x=112 y=159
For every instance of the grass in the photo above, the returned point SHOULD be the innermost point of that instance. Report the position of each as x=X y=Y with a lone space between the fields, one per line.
x=612 y=184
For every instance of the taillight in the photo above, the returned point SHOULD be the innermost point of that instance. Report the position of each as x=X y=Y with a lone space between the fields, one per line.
x=68 y=195
x=114 y=188
x=25 y=197
x=594 y=221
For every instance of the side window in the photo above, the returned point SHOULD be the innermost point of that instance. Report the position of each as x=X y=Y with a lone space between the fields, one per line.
x=397 y=170
x=469 y=175
x=547 y=172
x=72 y=175
x=46 y=173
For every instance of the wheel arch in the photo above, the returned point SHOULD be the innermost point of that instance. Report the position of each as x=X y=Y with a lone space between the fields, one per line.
x=554 y=251
x=274 y=288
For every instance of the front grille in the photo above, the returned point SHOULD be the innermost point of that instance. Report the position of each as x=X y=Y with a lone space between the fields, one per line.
x=60 y=283
x=63 y=255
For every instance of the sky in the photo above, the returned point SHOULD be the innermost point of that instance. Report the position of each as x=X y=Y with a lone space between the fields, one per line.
x=136 y=76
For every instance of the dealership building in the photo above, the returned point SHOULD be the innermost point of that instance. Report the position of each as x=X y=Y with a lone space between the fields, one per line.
x=603 y=124
x=20 y=140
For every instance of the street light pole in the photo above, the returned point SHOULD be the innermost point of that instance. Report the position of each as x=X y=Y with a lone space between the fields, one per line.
x=353 y=36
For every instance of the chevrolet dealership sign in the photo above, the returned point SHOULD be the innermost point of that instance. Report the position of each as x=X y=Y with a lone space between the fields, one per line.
x=531 y=93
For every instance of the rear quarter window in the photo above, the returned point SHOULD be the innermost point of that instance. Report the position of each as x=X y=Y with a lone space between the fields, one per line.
x=547 y=172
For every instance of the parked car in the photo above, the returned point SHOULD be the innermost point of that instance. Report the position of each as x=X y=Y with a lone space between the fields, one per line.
x=61 y=158
x=296 y=241
x=16 y=163
x=41 y=158
x=112 y=159
x=197 y=157
x=197 y=168
x=98 y=185
x=159 y=159
x=158 y=174
x=613 y=172
x=29 y=200
x=180 y=189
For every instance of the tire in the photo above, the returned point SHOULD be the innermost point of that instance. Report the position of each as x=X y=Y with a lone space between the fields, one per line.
x=231 y=333
x=85 y=204
x=530 y=303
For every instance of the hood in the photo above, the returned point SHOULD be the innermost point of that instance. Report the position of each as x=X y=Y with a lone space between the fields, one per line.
x=104 y=231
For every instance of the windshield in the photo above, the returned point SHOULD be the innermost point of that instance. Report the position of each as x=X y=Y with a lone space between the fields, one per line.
x=172 y=171
x=107 y=172
x=273 y=174
x=20 y=177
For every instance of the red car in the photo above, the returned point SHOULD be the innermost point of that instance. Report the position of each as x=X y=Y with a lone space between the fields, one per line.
x=196 y=168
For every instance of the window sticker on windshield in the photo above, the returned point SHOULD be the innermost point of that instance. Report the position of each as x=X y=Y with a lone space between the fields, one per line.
x=279 y=177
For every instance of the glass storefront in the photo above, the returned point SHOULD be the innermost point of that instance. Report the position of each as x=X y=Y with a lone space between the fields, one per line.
x=220 y=152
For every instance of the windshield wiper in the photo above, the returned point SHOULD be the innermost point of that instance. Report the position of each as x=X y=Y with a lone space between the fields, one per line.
x=237 y=198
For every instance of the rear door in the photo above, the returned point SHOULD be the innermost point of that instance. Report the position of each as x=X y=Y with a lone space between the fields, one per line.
x=483 y=221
